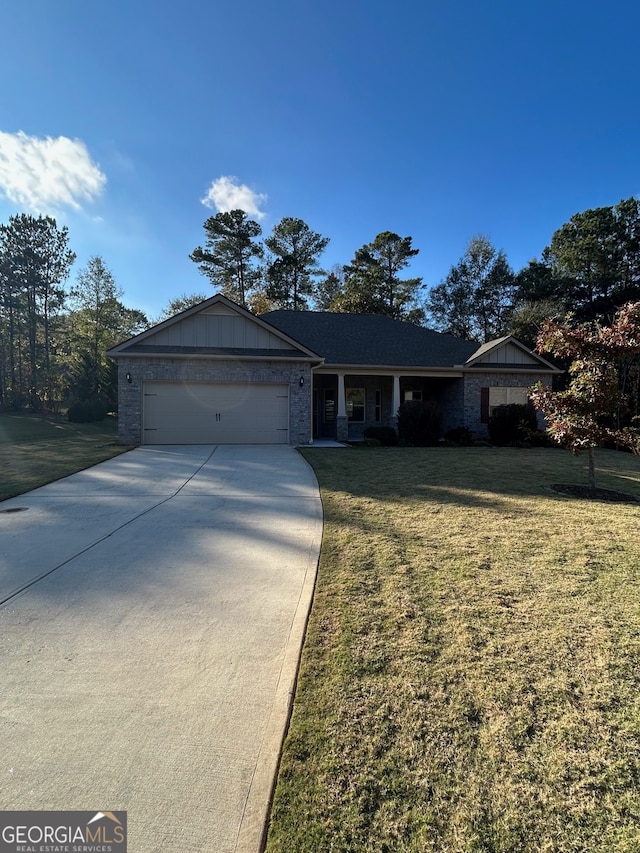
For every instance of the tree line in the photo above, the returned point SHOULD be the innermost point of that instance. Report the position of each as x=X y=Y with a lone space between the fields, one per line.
x=591 y=267
x=283 y=271
x=53 y=337
x=589 y=271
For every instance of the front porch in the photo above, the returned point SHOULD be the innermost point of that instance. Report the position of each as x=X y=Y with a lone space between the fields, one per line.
x=346 y=403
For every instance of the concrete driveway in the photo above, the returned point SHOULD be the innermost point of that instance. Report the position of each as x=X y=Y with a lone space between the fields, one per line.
x=152 y=610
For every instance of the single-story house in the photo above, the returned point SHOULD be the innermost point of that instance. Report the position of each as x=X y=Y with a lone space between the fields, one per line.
x=217 y=374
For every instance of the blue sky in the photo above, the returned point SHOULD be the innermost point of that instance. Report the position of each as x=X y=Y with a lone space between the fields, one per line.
x=438 y=120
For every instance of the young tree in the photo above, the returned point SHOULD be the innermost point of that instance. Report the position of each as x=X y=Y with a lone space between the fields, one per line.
x=259 y=303
x=476 y=298
x=293 y=270
x=586 y=413
x=98 y=321
x=372 y=282
x=228 y=258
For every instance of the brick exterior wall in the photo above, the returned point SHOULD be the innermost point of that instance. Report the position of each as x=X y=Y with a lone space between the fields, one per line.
x=473 y=382
x=205 y=370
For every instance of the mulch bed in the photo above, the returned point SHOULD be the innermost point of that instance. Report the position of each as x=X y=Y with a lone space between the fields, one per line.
x=585 y=493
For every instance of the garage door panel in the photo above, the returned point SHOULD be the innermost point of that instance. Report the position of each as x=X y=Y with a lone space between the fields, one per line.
x=215 y=413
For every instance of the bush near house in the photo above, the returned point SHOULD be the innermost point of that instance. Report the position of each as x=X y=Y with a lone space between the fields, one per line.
x=383 y=435
x=88 y=411
x=419 y=423
x=459 y=436
x=510 y=424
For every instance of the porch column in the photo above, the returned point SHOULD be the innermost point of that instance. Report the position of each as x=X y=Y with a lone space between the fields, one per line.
x=395 y=402
x=342 y=424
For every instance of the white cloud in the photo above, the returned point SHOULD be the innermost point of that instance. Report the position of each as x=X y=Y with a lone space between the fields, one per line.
x=45 y=174
x=226 y=194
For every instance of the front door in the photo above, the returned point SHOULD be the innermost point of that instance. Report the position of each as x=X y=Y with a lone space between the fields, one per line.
x=327 y=411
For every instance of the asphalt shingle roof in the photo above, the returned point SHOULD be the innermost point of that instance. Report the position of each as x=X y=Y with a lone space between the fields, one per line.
x=371 y=339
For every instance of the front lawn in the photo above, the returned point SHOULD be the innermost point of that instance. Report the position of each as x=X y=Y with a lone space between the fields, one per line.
x=470 y=681
x=36 y=449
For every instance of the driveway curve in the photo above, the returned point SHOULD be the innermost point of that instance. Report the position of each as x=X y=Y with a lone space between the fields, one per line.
x=152 y=611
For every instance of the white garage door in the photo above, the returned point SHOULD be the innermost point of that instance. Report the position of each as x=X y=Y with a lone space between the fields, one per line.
x=215 y=413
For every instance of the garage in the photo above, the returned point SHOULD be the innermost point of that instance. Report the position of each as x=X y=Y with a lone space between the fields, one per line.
x=214 y=374
x=215 y=413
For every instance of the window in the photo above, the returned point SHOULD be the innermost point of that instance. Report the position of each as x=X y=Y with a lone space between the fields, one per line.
x=412 y=395
x=378 y=407
x=491 y=398
x=507 y=397
x=329 y=407
x=355 y=404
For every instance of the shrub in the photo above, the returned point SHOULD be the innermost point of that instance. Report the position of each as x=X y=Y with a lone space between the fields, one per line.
x=459 y=435
x=14 y=401
x=87 y=411
x=419 y=423
x=510 y=424
x=537 y=438
x=384 y=435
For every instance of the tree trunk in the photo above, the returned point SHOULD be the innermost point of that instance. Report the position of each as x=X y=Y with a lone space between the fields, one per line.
x=592 y=470
x=32 y=328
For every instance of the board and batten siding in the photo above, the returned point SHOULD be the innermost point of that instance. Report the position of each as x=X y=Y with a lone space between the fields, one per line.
x=508 y=354
x=217 y=329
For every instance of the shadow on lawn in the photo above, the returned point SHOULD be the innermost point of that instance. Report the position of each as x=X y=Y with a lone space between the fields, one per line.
x=476 y=477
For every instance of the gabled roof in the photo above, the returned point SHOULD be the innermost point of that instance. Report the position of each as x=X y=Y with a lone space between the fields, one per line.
x=218 y=328
x=215 y=328
x=371 y=339
x=508 y=352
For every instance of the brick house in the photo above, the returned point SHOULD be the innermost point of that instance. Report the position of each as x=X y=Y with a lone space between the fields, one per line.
x=217 y=374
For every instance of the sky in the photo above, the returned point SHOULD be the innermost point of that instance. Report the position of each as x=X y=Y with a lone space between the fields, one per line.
x=131 y=122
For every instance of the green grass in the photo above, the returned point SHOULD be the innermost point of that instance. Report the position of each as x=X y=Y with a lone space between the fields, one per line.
x=470 y=681
x=35 y=450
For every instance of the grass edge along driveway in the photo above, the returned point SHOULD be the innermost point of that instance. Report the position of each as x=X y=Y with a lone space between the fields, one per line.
x=36 y=450
x=470 y=679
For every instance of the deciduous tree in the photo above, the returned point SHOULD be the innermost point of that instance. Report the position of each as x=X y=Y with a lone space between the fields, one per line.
x=476 y=298
x=181 y=303
x=587 y=413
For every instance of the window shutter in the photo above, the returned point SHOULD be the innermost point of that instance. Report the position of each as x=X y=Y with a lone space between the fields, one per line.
x=484 y=405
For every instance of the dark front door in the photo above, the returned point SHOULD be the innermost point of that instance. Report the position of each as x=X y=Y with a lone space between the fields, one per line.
x=325 y=409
